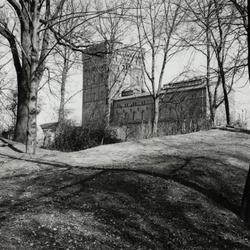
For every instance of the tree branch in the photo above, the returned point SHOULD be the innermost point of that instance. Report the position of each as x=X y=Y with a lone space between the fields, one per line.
x=5 y=32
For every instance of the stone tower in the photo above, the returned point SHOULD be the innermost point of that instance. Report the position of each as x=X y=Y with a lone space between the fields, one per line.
x=108 y=71
x=95 y=77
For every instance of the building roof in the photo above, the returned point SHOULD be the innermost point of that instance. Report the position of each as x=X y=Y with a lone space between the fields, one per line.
x=140 y=95
x=191 y=83
x=50 y=125
x=101 y=49
x=195 y=83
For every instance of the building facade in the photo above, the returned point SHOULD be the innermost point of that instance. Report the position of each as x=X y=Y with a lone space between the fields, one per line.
x=106 y=74
x=181 y=101
x=113 y=84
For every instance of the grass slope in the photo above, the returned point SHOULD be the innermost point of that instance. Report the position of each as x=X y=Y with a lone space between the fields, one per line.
x=176 y=192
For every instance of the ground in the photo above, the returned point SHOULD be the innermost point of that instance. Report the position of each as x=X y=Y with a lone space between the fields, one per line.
x=175 y=192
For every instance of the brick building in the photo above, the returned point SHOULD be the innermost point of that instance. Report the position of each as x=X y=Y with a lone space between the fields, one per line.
x=106 y=74
x=113 y=83
x=180 y=101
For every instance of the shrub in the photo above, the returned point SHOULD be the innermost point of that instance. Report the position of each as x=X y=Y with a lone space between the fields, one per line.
x=240 y=124
x=8 y=133
x=69 y=137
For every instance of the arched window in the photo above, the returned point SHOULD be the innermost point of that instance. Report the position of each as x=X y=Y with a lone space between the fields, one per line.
x=137 y=80
x=142 y=115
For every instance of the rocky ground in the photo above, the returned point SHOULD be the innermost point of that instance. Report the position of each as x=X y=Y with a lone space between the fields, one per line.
x=175 y=192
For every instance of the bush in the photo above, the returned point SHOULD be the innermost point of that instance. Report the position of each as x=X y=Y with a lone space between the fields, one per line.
x=69 y=137
x=239 y=124
x=8 y=133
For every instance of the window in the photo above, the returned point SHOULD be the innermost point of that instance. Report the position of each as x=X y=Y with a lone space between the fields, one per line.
x=93 y=78
x=134 y=114
x=142 y=115
x=125 y=66
x=137 y=80
x=102 y=77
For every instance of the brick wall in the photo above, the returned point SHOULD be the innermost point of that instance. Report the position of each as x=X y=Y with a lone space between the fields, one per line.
x=175 y=106
x=105 y=76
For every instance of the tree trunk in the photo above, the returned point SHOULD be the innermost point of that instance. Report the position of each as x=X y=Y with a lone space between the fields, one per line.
x=245 y=205
x=155 y=117
x=210 y=101
x=61 y=113
x=23 y=81
x=21 y=121
x=226 y=101
x=29 y=59
x=248 y=45
x=34 y=68
x=211 y=110
x=107 y=111
x=248 y=40
x=32 y=118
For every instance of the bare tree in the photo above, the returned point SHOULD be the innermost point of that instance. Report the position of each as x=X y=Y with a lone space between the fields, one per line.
x=198 y=37
x=112 y=28
x=28 y=36
x=157 y=25
x=242 y=7
x=8 y=102
x=212 y=25
x=64 y=58
x=219 y=40
x=29 y=45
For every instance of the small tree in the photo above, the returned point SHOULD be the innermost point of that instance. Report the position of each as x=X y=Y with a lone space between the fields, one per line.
x=64 y=58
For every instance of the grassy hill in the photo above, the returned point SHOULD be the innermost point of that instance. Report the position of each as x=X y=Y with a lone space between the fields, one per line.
x=175 y=192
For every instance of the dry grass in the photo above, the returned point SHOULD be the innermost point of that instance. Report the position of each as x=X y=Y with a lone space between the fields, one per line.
x=176 y=192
